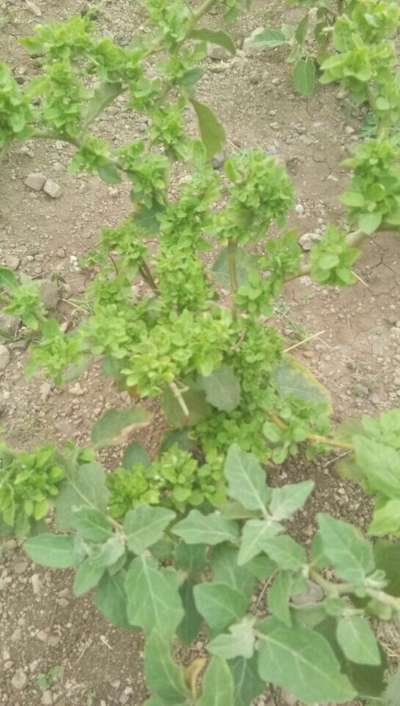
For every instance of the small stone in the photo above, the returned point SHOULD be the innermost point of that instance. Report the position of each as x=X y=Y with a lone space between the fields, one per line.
x=77 y=390
x=47 y=698
x=217 y=53
x=52 y=189
x=11 y=261
x=288 y=697
x=299 y=208
x=16 y=636
x=218 y=160
x=35 y=181
x=349 y=130
x=61 y=252
x=361 y=390
x=313 y=594
x=33 y=8
x=308 y=239
x=45 y=390
x=36 y=586
x=8 y=325
x=19 y=680
x=20 y=567
x=49 y=294
x=4 y=357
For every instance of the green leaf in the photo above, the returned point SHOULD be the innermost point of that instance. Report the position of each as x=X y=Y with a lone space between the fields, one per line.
x=51 y=550
x=87 y=577
x=353 y=198
x=154 y=602
x=386 y=518
x=247 y=683
x=85 y=488
x=191 y=558
x=368 y=680
x=8 y=279
x=92 y=525
x=304 y=77
x=351 y=555
x=189 y=627
x=245 y=264
x=387 y=558
x=380 y=465
x=223 y=39
x=302 y=662
x=357 y=640
x=269 y=38
x=103 y=96
x=108 y=553
x=292 y=379
x=145 y=526
x=279 y=597
x=301 y=30
x=392 y=693
x=109 y=173
x=369 y=222
x=222 y=389
x=212 y=529
x=238 y=643
x=255 y=534
x=246 y=479
x=116 y=424
x=225 y=569
x=219 y=604
x=135 y=454
x=217 y=685
x=111 y=599
x=285 y=552
x=288 y=499
x=211 y=131
x=195 y=401
x=163 y=676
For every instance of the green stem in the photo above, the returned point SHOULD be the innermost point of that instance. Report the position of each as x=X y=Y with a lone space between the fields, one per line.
x=179 y=398
x=232 y=265
x=147 y=275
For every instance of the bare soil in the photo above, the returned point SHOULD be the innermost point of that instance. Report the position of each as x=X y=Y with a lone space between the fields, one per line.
x=356 y=352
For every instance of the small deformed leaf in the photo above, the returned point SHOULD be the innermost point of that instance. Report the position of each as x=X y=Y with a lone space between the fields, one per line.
x=116 y=425
x=211 y=131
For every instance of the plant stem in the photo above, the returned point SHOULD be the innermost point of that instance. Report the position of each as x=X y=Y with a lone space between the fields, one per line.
x=233 y=278
x=179 y=398
x=146 y=273
x=315 y=438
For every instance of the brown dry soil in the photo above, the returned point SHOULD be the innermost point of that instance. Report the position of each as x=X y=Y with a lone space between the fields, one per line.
x=356 y=352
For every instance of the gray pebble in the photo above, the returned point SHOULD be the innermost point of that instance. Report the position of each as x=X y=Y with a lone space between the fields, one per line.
x=4 y=357
x=52 y=189
x=35 y=181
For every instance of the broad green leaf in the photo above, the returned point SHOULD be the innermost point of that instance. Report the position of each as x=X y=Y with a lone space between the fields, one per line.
x=392 y=693
x=223 y=39
x=211 y=131
x=301 y=29
x=103 y=96
x=369 y=222
x=353 y=198
x=304 y=77
x=217 y=685
x=387 y=558
x=379 y=464
x=108 y=553
x=154 y=602
x=222 y=389
x=116 y=424
x=302 y=662
x=196 y=403
x=85 y=488
x=245 y=264
x=233 y=510
x=189 y=627
x=219 y=604
x=239 y=642
x=87 y=577
x=109 y=173
x=8 y=279
x=368 y=680
x=288 y=499
x=212 y=529
x=92 y=525
x=163 y=676
x=226 y=570
x=386 y=518
x=292 y=379
x=285 y=552
x=279 y=597
x=270 y=38
x=191 y=558
x=135 y=454
x=247 y=683
x=180 y=437
x=51 y=550
x=246 y=479
x=255 y=534
x=357 y=640
x=111 y=599
x=351 y=555
x=145 y=526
